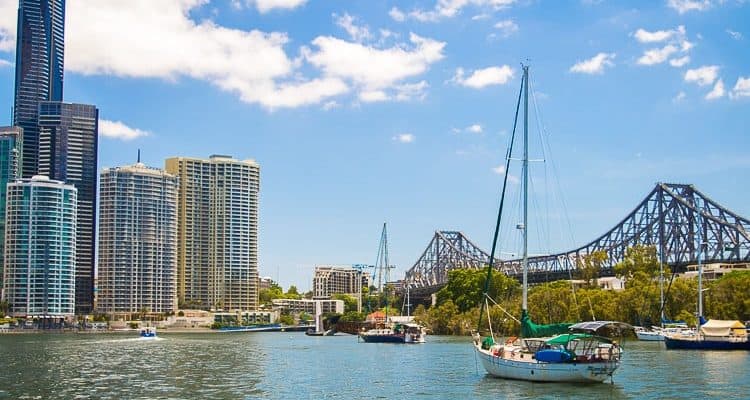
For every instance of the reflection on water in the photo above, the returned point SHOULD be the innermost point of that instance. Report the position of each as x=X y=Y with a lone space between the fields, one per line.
x=291 y=365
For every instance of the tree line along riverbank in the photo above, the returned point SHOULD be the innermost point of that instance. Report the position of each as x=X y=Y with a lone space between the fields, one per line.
x=457 y=308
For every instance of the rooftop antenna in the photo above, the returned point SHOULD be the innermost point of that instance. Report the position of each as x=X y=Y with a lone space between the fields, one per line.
x=139 y=156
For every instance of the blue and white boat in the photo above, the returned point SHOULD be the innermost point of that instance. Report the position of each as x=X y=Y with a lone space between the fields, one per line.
x=148 y=332
x=712 y=334
x=539 y=356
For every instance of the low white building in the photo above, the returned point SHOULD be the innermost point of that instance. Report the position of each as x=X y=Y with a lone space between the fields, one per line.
x=292 y=306
x=606 y=283
x=712 y=272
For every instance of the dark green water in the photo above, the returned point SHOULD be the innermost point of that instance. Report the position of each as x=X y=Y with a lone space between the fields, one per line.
x=294 y=366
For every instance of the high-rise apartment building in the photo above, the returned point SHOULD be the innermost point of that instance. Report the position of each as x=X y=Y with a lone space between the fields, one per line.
x=40 y=49
x=217 y=232
x=137 y=240
x=68 y=137
x=40 y=248
x=334 y=279
x=10 y=155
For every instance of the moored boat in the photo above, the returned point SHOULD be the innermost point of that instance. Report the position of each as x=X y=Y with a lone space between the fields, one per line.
x=653 y=335
x=713 y=335
x=397 y=333
x=545 y=353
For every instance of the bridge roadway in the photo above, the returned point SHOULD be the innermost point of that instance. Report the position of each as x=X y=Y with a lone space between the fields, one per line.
x=672 y=217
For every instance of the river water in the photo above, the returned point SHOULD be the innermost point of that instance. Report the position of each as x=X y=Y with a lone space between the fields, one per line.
x=290 y=365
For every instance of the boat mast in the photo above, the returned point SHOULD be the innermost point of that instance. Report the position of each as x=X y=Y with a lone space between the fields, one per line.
x=700 y=267
x=525 y=185
x=661 y=261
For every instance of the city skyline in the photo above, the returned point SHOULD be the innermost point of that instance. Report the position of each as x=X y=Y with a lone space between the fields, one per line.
x=399 y=111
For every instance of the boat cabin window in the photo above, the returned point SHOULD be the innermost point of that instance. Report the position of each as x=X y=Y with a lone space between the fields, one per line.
x=534 y=345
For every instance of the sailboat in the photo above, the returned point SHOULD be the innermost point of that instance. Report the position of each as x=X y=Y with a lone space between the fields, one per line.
x=391 y=332
x=543 y=353
x=657 y=333
x=712 y=334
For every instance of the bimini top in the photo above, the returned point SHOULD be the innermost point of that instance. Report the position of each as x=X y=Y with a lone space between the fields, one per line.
x=597 y=326
x=566 y=338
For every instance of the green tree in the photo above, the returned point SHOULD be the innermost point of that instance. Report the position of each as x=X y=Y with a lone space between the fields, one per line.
x=265 y=296
x=465 y=288
x=4 y=307
x=292 y=293
x=350 y=303
x=304 y=317
x=638 y=260
x=729 y=297
x=552 y=302
x=589 y=266
x=286 y=319
x=352 y=316
x=440 y=317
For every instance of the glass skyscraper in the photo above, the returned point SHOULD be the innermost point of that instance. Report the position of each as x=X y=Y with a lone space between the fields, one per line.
x=68 y=138
x=10 y=155
x=40 y=248
x=40 y=48
x=137 y=241
x=217 y=232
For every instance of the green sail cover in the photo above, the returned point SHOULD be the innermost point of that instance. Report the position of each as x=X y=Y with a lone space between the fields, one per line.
x=530 y=329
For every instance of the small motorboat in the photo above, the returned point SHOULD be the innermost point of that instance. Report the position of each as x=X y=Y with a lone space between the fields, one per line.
x=148 y=332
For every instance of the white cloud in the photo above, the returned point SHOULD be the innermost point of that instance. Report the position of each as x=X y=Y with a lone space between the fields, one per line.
x=411 y=91
x=5 y=63
x=481 y=78
x=448 y=9
x=676 y=42
x=717 y=91
x=679 y=62
x=594 y=65
x=8 y=16
x=265 y=6
x=735 y=35
x=686 y=46
x=480 y=17
x=357 y=33
x=372 y=69
x=397 y=15
x=683 y=6
x=679 y=97
x=703 y=76
x=405 y=138
x=330 y=105
x=372 y=96
x=507 y=27
x=500 y=170
x=106 y=38
x=118 y=130
x=657 y=56
x=476 y=128
x=252 y=64
x=741 y=88
x=645 y=36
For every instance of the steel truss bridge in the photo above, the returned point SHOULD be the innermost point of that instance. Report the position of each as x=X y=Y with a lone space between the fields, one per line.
x=674 y=218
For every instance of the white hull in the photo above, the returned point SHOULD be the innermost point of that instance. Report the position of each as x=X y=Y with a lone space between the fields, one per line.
x=532 y=370
x=414 y=338
x=650 y=336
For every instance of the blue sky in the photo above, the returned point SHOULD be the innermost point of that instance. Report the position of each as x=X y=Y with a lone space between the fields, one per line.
x=361 y=112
